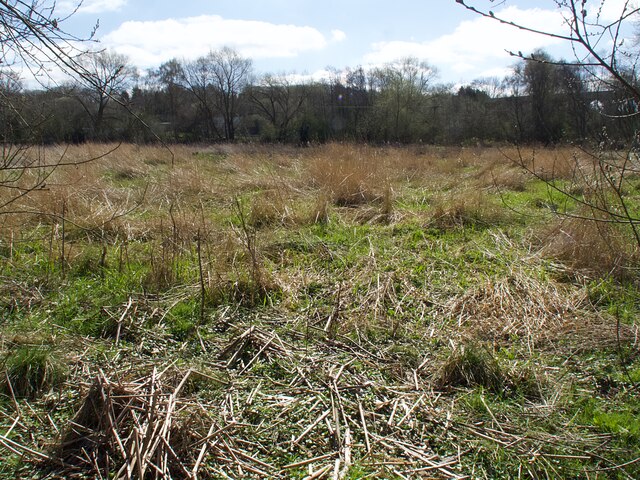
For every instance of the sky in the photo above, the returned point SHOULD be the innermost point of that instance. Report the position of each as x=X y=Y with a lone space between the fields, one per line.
x=307 y=37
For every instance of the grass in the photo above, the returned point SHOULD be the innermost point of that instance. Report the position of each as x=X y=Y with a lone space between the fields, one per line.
x=335 y=310
x=30 y=369
x=470 y=367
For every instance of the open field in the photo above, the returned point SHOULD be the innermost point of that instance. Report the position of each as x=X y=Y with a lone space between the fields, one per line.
x=337 y=311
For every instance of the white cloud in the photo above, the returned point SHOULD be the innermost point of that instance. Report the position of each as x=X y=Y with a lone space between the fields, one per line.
x=338 y=35
x=317 y=76
x=477 y=44
x=611 y=10
x=498 y=72
x=151 y=43
x=90 y=6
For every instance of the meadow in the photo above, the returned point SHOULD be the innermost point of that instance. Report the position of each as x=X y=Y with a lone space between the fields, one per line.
x=337 y=311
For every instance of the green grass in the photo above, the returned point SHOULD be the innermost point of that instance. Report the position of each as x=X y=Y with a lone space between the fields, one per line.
x=30 y=369
x=430 y=323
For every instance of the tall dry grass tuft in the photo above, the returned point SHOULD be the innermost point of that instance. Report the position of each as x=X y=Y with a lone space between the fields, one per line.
x=593 y=247
x=546 y=163
x=319 y=213
x=273 y=207
x=495 y=171
x=465 y=207
x=351 y=175
x=506 y=178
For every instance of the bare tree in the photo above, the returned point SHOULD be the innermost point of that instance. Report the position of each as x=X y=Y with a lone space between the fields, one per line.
x=198 y=79
x=541 y=82
x=494 y=87
x=10 y=111
x=231 y=73
x=112 y=75
x=279 y=100
x=169 y=77
x=403 y=85
x=216 y=81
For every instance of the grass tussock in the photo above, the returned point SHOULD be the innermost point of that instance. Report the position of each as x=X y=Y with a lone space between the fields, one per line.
x=319 y=212
x=597 y=249
x=471 y=366
x=465 y=208
x=351 y=176
x=30 y=369
x=271 y=208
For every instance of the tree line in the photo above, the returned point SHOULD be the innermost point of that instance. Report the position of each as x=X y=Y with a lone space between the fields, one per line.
x=219 y=98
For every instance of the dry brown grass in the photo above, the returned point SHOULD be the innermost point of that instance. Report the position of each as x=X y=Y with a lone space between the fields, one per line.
x=148 y=193
x=546 y=163
x=511 y=168
x=498 y=172
x=447 y=168
x=466 y=206
x=514 y=179
x=319 y=212
x=593 y=248
x=269 y=208
x=518 y=305
x=149 y=179
x=350 y=175
x=428 y=161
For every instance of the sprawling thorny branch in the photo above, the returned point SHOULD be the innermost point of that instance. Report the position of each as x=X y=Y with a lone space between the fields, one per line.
x=33 y=40
x=599 y=45
x=595 y=42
